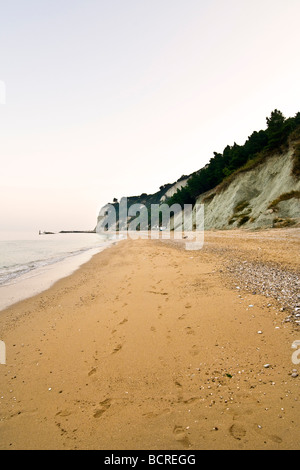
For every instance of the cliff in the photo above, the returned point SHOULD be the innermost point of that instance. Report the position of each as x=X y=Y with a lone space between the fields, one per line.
x=264 y=193
x=267 y=196
x=144 y=200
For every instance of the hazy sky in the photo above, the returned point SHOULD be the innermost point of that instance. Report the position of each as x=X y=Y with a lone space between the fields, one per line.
x=106 y=98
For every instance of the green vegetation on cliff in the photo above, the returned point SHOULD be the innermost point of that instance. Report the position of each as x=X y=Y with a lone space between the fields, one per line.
x=236 y=158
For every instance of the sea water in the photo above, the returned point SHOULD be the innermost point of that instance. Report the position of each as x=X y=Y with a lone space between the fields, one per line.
x=30 y=263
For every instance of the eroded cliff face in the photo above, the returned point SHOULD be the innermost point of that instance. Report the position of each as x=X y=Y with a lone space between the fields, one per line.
x=266 y=196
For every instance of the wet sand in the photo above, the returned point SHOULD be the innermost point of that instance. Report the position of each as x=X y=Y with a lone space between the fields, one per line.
x=41 y=279
x=149 y=346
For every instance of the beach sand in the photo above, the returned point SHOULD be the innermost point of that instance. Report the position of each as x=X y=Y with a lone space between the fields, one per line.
x=149 y=346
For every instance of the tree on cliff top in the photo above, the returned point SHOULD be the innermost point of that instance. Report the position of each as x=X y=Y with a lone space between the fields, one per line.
x=236 y=156
x=278 y=129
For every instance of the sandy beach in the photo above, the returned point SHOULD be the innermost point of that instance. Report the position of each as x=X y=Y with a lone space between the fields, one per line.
x=150 y=346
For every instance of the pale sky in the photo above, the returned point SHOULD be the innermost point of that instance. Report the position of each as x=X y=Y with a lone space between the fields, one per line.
x=112 y=98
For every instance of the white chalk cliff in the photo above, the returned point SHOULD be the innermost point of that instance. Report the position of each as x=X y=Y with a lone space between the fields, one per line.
x=264 y=197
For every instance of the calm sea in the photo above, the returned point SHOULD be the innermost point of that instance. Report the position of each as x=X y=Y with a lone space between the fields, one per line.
x=25 y=253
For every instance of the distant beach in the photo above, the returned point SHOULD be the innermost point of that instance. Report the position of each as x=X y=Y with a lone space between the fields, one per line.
x=150 y=346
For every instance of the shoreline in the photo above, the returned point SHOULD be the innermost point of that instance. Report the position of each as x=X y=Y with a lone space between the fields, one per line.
x=41 y=279
x=148 y=346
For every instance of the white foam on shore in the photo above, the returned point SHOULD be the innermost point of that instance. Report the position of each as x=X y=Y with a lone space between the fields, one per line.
x=43 y=278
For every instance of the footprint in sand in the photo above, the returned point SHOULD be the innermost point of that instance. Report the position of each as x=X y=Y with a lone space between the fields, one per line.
x=190 y=331
x=104 y=406
x=237 y=431
x=276 y=439
x=117 y=348
x=194 y=351
x=153 y=414
x=64 y=413
x=180 y=436
x=92 y=372
x=178 y=384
